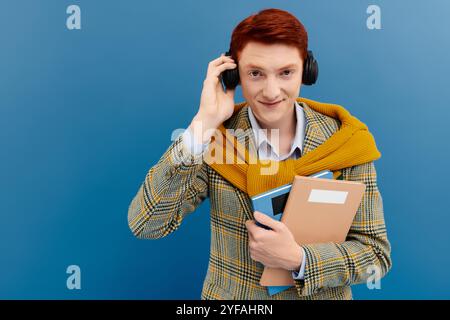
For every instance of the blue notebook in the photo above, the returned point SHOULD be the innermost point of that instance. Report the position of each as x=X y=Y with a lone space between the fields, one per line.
x=272 y=203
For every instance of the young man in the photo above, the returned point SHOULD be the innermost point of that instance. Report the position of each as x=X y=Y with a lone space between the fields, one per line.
x=270 y=48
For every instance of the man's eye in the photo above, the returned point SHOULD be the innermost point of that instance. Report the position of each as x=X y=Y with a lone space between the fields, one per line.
x=254 y=74
x=287 y=72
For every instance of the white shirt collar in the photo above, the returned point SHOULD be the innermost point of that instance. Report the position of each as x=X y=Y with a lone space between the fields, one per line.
x=261 y=138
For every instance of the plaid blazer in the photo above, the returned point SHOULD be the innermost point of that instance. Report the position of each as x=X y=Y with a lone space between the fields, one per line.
x=179 y=182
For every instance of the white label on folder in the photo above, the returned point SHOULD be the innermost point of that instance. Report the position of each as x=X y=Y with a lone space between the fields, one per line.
x=327 y=196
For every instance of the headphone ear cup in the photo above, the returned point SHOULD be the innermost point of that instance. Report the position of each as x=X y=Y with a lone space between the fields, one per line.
x=310 y=70
x=230 y=78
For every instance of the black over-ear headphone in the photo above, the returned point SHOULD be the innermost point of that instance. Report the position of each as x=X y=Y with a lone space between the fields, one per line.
x=230 y=77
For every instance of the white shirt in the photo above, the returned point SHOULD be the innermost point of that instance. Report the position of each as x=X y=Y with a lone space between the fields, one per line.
x=265 y=151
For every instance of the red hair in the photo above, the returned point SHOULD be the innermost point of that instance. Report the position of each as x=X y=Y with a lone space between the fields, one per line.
x=270 y=26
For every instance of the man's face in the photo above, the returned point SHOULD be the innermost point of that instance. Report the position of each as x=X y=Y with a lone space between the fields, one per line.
x=270 y=73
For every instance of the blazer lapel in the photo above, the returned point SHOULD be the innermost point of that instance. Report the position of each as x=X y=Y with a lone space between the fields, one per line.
x=244 y=134
x=318 y=128
x=243 y=129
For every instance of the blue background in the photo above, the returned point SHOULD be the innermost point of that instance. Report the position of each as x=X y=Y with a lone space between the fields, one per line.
x=86 y=113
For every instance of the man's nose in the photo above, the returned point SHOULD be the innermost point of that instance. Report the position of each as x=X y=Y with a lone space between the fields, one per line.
x=271 y=90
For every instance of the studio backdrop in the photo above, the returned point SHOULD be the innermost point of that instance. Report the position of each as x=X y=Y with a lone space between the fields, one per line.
x=91 y=92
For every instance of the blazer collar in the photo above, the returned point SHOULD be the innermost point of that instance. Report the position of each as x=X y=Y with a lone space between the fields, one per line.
x=318 y=128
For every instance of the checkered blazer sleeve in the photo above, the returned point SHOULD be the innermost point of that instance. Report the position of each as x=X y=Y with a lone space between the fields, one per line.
x=351 y=262
x=172 y=188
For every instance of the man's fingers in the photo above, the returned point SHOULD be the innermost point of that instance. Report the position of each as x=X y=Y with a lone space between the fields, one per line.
x=267 y=221
x=251 y=228
x=215 y=72
x=250 y=237
x=249 y=224
x=230 y=92
x=223 y=58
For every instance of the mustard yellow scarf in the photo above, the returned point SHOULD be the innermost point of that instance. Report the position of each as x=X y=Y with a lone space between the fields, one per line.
x=351 y=145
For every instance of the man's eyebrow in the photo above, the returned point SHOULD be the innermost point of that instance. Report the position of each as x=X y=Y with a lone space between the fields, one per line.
x=254 y=66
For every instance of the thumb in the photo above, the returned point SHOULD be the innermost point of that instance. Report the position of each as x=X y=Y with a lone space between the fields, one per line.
x=266 y=220
x=230 y=92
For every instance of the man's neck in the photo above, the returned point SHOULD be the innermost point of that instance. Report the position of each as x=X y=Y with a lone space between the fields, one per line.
x=286 y=126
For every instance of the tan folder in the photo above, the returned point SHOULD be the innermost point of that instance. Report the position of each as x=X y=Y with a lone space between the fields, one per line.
x=317 y=211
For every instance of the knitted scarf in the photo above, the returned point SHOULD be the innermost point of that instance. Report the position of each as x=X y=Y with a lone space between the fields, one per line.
x=351 y=145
